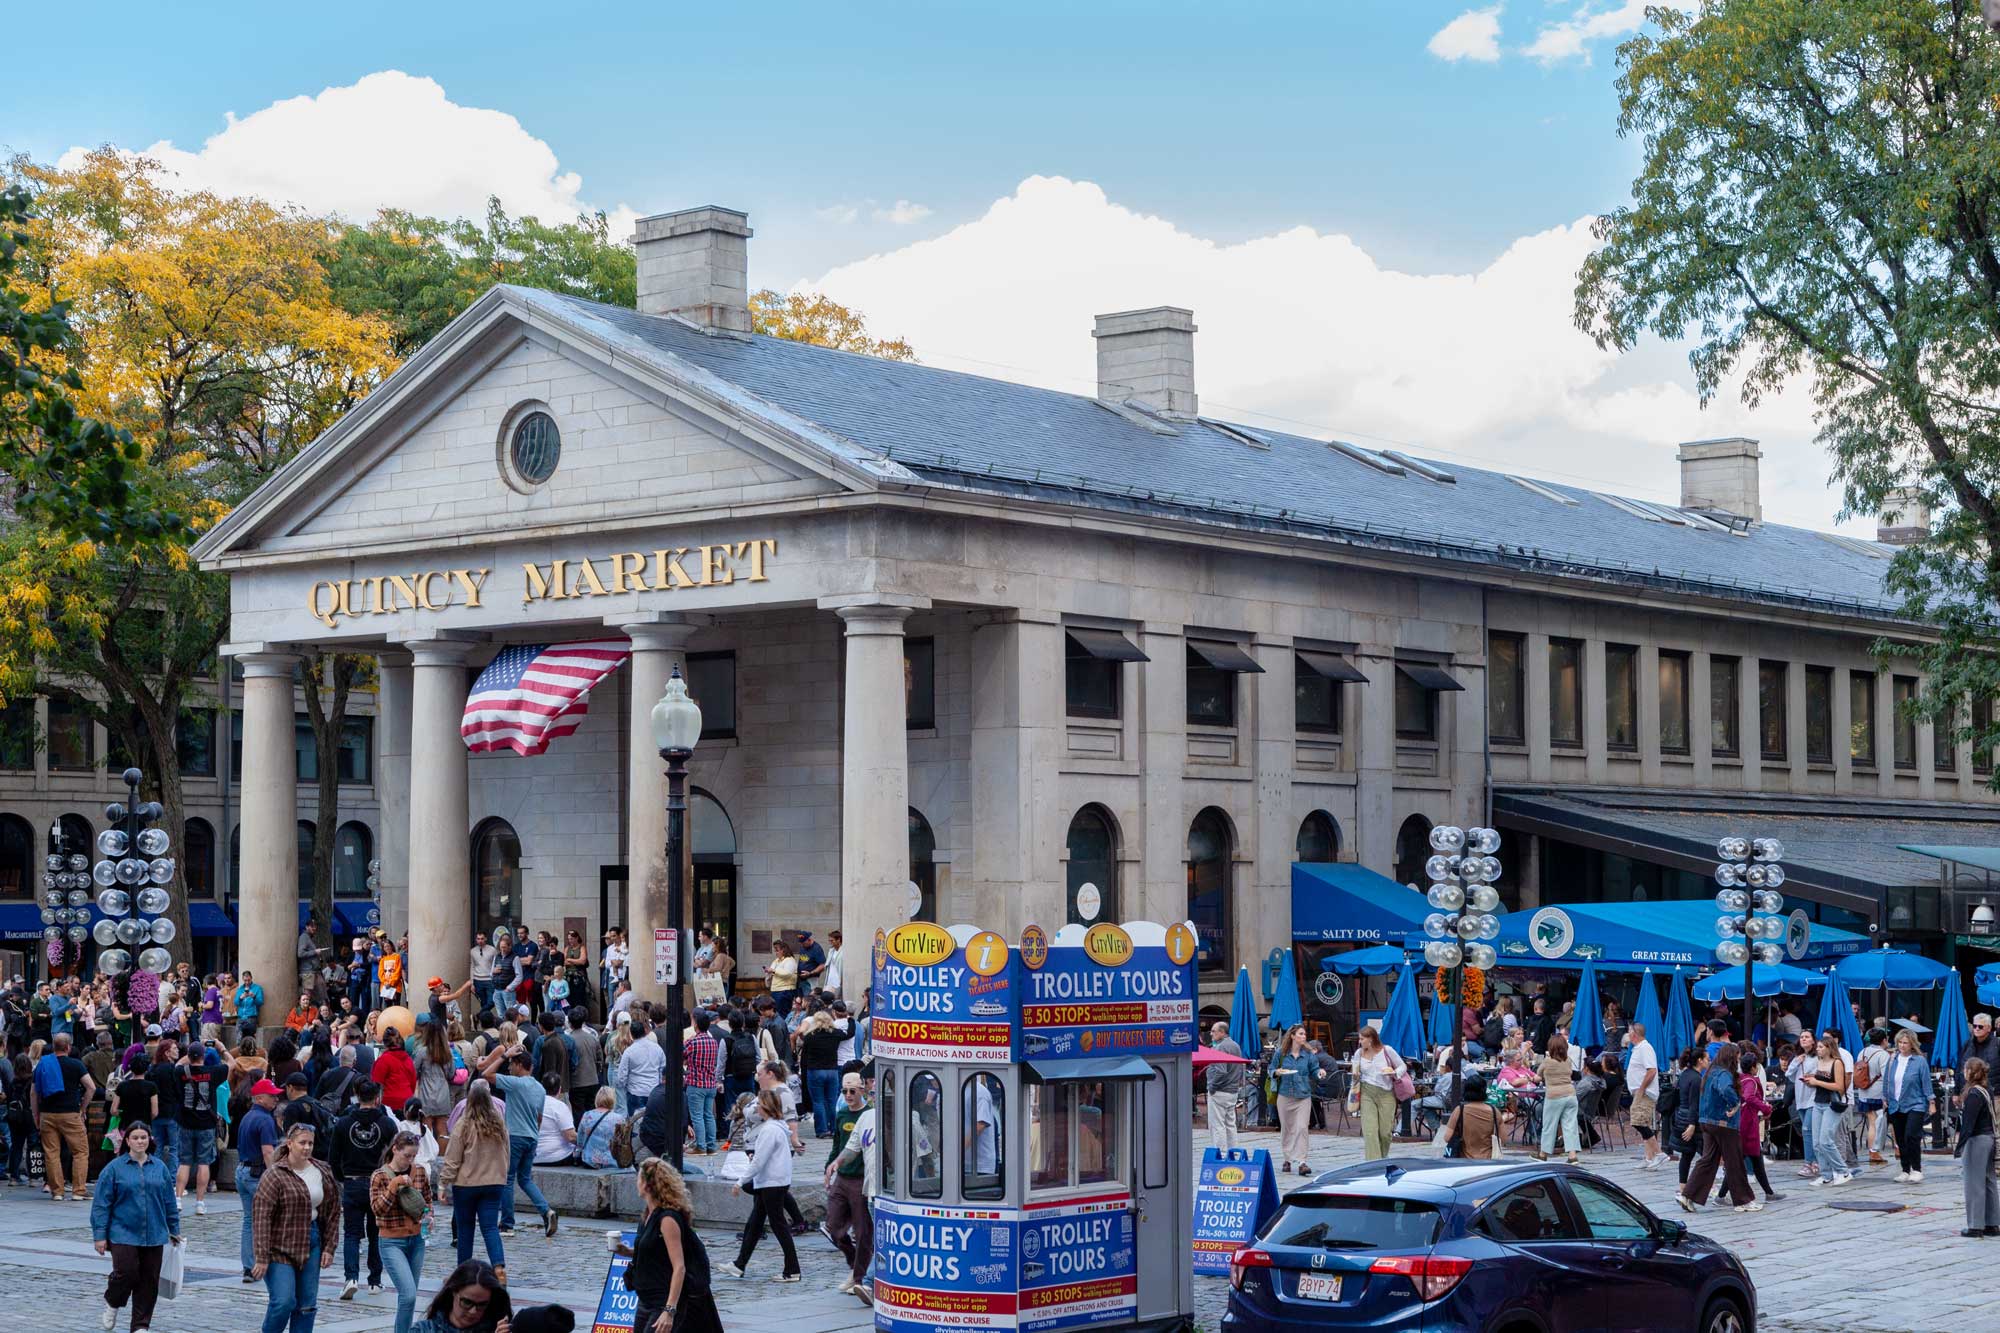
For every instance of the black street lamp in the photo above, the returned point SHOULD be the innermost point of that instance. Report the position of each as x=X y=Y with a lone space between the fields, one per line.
x=1748 y=877
x=1462 y=873
x=676 y=728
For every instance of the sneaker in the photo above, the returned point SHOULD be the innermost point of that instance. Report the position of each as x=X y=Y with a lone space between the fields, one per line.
x=1902 y=1176
x=1751 y=1207
x=507 y=1232
x=549 y=1223
x=1818 y=1181
x=247 y=1276
x=1916 y=1177
x=731 y=1270
x=786 y=1277
x=1572 y=1159
x=1684 y=1201
x=1841 y=1178
x=846 y=1287
x=827 y=1231
x=374 y=1288
x=1773 y=1197
x=1807 y=1172
x=348 y=1289
x=201 y=1207
x=867 y=1296
x=108 y=1319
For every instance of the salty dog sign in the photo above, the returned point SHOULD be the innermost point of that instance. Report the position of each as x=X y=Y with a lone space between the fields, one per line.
x=939 y=994
x=1108 y=990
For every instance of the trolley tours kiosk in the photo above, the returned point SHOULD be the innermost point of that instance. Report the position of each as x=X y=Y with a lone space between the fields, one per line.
x=1032 y=1111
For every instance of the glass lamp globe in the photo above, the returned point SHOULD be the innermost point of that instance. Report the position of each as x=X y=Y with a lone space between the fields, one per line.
x=1446 y=897
x=1768 y=901
x=51 y=932
x=53 y=898
x=1481 y=956
x=79 y=897
x=161 y=871
x=1774 y=875
x=1436 y=925
x=112 y=843
x=676 y=717
x=1770 y=954
x=1449 y=954
x=1447 y=838
x=1483 y=897
x=1439 y=867
x=1484 y=841
x=105 y=873
x=151 y=810
x=153 y=841
x=78 y=934
x=1769 y=849
x=1728 y=874
x=1468 y=926
x=78 y=861
x=155 y=960
x=111 y=962
x=132 y=932
x=114 y=902
x=49 y=915
x=163 y=931
x=105 y=932
x=53 y=863
x=1434 y=954
x=131 y=871
x=1753 y=875
x=153 y=901
x=115 y=812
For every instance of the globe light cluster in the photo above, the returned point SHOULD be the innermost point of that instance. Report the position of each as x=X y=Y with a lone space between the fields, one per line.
x=1463 y=870
x=131 y=875
x=1747 y=879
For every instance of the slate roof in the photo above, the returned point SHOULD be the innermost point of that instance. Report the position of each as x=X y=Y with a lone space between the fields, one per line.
x=962 y=430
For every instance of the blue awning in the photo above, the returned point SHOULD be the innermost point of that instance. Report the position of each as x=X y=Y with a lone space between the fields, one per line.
x=1632 y=936
x=1101 y=1069
x=21 y=921
x=205 y=919
x=1380 y=960
x=1339 y=900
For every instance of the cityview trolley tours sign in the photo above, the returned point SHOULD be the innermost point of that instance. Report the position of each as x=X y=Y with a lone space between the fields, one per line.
x=1032 y=1104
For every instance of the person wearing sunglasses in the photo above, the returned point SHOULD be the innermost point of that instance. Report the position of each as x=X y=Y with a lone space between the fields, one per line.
x=471 y=1301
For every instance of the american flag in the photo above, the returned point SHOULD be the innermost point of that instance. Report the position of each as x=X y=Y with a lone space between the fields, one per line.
x=534 y=692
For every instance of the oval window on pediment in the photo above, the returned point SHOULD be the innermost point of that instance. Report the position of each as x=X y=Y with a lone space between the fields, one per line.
x=531 y=447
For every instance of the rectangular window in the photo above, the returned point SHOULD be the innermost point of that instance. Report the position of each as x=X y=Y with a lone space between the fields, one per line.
x=1211 y=693
x=194 y=743
x=1566 y=692
x=1982 y=749
x=1416 y=710
x=1152 y=1131
x=1506 y=688
x=1819 y=715
x=1316 y=700
x=1674 y=703
x=1771 y=726
x=235 y=743
x=1094 y=670
x=71 y=736
x=1903 y=698
x=1724 y=694
x=1051 y=1108
x=1944 y=742
x=1621 y=696
x=1100 y=1134
x=305 y=750
x=982 y=1166
x=711 y=682
x=17 y=735
x=920 y=683
x=357 y=745
x=1861 y=718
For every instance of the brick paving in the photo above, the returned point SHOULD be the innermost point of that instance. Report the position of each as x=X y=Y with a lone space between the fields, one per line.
x=1817 y=1269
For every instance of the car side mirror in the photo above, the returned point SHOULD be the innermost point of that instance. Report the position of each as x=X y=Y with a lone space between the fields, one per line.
x=1672 y=1233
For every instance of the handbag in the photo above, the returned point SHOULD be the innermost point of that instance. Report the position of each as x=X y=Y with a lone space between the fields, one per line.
x=1404 y=1087
x=411 y=1200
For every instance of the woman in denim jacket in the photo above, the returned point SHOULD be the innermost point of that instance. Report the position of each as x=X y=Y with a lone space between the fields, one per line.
x=132 y=1217
x=1721 y=1137
x=1906 y=1096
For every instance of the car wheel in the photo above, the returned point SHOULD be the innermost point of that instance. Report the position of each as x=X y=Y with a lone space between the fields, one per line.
x=1723 y=1316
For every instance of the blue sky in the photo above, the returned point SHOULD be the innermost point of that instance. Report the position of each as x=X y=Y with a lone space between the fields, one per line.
x=1375 y=207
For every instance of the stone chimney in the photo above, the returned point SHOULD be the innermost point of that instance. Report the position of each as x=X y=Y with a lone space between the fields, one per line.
x=696 y=264
x=1721 y=475
x=1146 y=358
x=1905 y=519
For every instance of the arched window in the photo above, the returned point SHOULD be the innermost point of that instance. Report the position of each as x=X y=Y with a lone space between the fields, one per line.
x=77 y=836
x=353 y=847
x=923 y=869
x=1093 y=866
x=712 y=848
x=198 y=858
x=1319 y=838
x=1210 y=873
x=19 y=866
x=1413 y=848
x=926 y=1136
x=308 y=833
x=496 y=876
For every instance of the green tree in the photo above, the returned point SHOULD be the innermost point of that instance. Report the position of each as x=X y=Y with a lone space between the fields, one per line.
x=1819 y=202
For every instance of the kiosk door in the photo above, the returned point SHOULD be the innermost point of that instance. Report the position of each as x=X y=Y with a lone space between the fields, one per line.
x=1162 y=1196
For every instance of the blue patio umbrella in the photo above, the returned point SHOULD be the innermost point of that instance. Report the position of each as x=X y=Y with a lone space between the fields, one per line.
x=1769 y=979
x=1243 y=1016
x=1402 y=1024
x=1836 y=1010
x=1285 y=1010
x=1444 y=1024
x=1647 y=1011
x=1952 y=1030
x=1891 y=969
x=1586 y=1025
x=1680 y=1020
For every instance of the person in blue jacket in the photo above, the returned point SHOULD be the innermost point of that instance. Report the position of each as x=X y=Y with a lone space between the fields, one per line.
x=1721 y=1137
x=1907 y=1097
x=133 y=1217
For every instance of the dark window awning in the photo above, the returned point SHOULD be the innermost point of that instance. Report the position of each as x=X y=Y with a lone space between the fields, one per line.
x=1107 y=645
x=1224 y=656
x=1331 y=666
x=1103 y=1069
x=1430 y=677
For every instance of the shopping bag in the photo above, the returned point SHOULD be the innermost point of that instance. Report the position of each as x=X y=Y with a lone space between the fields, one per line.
x=173 y=1266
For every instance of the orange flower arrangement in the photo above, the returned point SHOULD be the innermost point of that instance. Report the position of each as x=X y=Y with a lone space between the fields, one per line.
x=1475 y=985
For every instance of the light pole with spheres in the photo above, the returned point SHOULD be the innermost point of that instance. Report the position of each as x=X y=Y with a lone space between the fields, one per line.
x=1463 y=871
x=676 y=728
x=1748 y=877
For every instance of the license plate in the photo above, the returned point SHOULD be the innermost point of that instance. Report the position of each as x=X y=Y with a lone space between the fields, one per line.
x=1316 y=1288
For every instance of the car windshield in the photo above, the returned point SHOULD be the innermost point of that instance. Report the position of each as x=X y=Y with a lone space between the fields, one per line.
x=1352 y=1222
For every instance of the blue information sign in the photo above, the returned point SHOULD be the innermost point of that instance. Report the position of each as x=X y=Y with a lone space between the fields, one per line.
x=1233 y=1198
x=617 y=1307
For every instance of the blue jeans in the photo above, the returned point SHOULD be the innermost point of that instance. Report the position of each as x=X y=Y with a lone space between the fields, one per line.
x=356 y=1219
x=403 y=1257
x=294 y=1293
x=167 y=1144
x=480 y=1203
x=521 y=1171
x=1826 y=1141
x=246 y=1194
x=701 y=1116
x=484 y=990
x=824 y=1085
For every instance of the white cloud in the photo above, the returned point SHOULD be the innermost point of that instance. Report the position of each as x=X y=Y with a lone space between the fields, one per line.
x=1473 y=35
x=1592 y=21
x=838 y=214
x=388 y=140
x=902 y=213
x=1304 y=330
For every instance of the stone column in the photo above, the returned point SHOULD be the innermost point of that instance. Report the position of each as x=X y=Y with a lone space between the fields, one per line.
x=1163 y=894
x=1750 y=720
x=267 y=906
x=1536 y=709
x=1927 y=748
x=1018 y=829
x=874 y=768
x=1596 y=720
x=657 y=648
x=1843 y=732
x=1701 y=718
x=440 y=824
x=1263 y=916
x=1795 y=728
x=1375 y=765
x=1887 y=727
x=1650 y=704
x=392 y=785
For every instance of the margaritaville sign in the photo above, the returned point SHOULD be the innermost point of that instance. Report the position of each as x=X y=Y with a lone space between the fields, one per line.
x=665 y=569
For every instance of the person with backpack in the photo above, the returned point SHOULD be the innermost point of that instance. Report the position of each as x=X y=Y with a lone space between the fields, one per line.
x=669 y=1272
x=604 y=1137
x=355 y=1148
x=740 y=1060
x=1869 y=1066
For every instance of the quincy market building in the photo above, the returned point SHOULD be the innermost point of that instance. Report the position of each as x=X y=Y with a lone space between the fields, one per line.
x=982 y=652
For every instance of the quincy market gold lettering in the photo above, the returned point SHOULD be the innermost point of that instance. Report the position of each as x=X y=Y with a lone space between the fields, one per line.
x=671 y=568
x=386 y=594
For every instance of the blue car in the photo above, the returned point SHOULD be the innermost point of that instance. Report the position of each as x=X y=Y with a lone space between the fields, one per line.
x=1451 y=1246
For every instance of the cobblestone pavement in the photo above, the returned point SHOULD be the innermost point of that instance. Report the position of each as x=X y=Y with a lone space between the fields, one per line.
x=1816 y=1268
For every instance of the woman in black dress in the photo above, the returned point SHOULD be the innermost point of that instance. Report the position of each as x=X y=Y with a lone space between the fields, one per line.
x=669 y=1269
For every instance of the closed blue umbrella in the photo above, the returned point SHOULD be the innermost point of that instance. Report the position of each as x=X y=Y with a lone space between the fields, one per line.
x=1444 y=1022
x=1647 y=1012
x=1953 y=1032
x=1243 y=1016
x=1402 y=1024
x=1285 y=1004
x=1586 y=1025
x=1680 y=1020
x=1836 y=1010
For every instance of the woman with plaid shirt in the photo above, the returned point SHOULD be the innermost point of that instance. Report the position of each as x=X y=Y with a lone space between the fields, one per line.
x=296 y=1210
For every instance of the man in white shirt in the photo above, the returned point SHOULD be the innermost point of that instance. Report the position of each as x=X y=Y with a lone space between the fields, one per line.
x=1642 y=1079
x=982 y=1131
x=483 y=955
x=642 y=1066
x=836 y=964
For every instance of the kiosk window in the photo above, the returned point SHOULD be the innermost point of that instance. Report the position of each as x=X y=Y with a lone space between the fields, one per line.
x=1152 y=1129
x=926 y=1137
x=985 y=1140
x=1050 y=1109
x=1098 y=1160
x=885 y=1118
